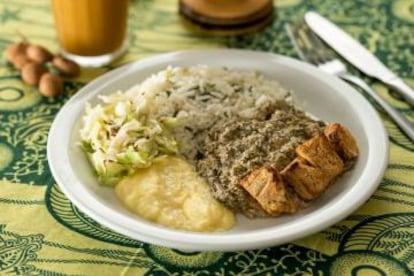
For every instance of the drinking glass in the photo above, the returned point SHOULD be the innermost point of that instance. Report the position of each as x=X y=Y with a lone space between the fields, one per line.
x=91 y=32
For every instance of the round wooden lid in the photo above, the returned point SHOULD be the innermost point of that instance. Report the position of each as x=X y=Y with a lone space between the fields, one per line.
x=234 y=16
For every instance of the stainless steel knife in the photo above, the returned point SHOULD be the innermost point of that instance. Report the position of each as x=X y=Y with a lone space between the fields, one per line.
x=356 y=54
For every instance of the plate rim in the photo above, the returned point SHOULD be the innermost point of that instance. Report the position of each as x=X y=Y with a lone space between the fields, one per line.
x=222 y=241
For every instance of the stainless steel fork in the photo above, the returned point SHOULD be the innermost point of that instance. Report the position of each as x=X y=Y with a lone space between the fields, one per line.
x=311 y=49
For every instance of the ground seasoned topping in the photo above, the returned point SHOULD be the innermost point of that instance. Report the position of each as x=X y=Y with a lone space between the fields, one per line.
x=234 y=148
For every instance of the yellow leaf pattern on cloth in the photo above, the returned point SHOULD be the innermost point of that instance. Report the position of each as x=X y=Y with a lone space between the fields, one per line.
x=43 y=233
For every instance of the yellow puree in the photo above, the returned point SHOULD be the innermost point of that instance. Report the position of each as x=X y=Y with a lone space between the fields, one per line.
x=172 y=194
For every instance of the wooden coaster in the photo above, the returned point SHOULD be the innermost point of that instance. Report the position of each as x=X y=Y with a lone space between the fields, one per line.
x=227 y=16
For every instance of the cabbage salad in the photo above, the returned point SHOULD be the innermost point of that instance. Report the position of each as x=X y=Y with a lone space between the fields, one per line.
x=118 y=138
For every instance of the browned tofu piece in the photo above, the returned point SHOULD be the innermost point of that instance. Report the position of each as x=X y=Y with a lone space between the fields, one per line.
x=320 y=154
x=342 y=141
x=267 y=187
x=316 y=166
x=307 y=181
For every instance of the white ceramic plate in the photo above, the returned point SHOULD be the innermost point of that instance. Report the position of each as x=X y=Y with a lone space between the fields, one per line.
x=322 y=95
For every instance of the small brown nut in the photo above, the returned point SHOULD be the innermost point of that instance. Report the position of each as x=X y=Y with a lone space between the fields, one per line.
x=50 y=85
x=38 y=53
x=20 y=60
x=15 y=49
x=31 y=72
x=66 y=67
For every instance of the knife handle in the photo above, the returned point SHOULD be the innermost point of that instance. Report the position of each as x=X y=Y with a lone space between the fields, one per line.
x=399 y=85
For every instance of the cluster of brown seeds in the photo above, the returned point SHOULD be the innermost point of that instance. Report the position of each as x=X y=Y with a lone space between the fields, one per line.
x=38 y=66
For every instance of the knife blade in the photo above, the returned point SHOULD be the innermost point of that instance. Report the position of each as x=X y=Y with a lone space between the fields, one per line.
x=356 y=54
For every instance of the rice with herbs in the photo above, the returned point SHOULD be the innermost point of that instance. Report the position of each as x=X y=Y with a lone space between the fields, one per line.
x=199 y=96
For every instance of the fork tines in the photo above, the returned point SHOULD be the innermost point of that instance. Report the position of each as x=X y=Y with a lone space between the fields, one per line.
x=308 y=46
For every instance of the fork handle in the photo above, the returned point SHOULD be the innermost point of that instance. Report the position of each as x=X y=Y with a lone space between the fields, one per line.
x=404 y=124
x=405 y=91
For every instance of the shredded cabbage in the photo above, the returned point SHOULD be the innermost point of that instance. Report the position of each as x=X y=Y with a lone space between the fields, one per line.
x=119 y=139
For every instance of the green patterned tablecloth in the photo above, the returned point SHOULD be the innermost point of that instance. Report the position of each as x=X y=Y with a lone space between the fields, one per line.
x=42 y=233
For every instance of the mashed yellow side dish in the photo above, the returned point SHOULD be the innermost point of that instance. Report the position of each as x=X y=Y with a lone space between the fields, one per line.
x=172 y=194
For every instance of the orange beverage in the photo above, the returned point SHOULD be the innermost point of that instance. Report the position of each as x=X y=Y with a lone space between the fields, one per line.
x=91 y=28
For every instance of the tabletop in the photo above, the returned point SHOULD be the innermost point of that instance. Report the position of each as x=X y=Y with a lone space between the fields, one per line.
x=42 y=233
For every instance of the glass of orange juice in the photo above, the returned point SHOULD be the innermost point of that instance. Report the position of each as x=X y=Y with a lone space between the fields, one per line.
x=91 y=32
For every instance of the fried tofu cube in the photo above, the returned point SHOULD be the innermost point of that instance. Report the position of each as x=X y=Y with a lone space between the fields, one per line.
x=316 y=166
x=307 y=181
x=320 y=154
x=342 y=141
x=267 y=187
